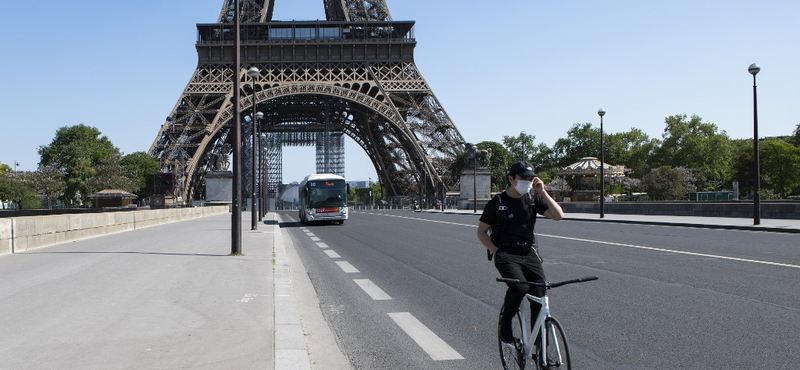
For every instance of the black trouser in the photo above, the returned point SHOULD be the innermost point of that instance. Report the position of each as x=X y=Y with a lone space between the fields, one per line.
x=516 y=264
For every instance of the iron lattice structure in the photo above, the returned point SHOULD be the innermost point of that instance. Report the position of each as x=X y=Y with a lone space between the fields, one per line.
x=353 y=74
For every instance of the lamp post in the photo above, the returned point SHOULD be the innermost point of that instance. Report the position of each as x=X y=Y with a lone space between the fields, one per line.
x=424 y=181
x=522 y=141
x=474 y=184
x=754 y=69
x=259 y=117
x=602 y=112
x=253 y=73
x=236 y=199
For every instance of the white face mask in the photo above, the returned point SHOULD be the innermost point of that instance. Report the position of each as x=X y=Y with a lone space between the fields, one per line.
x=523 y=186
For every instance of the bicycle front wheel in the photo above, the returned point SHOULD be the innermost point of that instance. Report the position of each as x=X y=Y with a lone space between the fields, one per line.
x=557 y=351
x=512 y=355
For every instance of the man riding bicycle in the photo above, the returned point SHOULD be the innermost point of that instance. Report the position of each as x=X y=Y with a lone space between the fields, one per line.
x=506 y=229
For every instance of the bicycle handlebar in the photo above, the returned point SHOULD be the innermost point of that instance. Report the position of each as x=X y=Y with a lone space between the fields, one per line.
x=548 y=285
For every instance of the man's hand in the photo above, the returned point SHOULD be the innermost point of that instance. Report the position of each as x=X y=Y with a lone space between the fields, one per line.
x=538 y=185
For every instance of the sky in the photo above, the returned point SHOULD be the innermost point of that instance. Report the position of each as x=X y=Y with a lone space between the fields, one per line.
x=497 y=69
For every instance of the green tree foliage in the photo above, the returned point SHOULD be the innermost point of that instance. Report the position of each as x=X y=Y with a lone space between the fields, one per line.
x=633 y=149
x=4 y=168
x=795 y=139
x=498 y=164
x=144 y=166
x=669 y=183
x=524 y=146
x=780 y=165
x=742 y=165
x=76 y=150
x=14 y=187
x=520 y=147
x=582 y=141
x=111 y=174
x=48 y=182
x=699 y=146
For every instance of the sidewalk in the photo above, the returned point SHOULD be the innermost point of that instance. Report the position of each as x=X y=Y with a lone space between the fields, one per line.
x=767 y=225
x=165 y=297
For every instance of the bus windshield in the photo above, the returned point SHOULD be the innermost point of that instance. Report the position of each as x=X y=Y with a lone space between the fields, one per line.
x=327 y=193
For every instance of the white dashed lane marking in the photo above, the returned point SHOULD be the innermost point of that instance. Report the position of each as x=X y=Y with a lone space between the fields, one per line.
x=425 y=338
x=347 y=267
x=372 y=290
x=332 y=254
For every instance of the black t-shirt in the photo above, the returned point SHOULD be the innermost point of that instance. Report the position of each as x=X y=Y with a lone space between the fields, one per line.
x=517 y=223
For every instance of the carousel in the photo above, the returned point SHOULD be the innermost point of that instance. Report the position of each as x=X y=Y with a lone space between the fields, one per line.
x=583 y=177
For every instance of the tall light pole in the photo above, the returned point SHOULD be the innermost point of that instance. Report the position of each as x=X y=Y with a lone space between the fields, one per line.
x=522 y=141
x=602 y=112
x=424 y=183
x=754 y=69
x=259 y=117
x=253 y=73
x=236 y=204
x=474 y=183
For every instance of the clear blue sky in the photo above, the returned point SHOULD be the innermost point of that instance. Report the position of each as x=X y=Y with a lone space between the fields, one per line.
x=498 y=69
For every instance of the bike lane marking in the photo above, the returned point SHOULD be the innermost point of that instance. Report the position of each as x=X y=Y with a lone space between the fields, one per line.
x=375 y=292
x=431 y=343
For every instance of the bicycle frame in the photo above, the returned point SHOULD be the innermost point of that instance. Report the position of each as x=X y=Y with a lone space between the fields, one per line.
x=528 y=338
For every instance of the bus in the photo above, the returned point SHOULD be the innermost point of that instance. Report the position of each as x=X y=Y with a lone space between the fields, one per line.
x=323 y=197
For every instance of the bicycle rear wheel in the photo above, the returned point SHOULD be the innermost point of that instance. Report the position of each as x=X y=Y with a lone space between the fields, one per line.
x=512 y=355
x=557 y=351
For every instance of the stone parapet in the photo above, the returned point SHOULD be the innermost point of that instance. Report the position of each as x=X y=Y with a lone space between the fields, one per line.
x=30 y=232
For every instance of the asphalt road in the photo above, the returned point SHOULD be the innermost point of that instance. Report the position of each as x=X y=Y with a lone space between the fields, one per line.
x=405 y=290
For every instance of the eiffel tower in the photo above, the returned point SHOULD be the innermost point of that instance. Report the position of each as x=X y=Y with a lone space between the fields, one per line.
x=353 y=74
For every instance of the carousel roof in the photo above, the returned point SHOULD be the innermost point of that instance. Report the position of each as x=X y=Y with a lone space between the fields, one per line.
x=590 y=166
x=112 y=193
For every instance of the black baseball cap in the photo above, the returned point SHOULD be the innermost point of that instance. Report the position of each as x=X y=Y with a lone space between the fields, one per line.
x=522 y=168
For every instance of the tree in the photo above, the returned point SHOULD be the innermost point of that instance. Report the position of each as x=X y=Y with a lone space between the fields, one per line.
x=520 y=147
x=669 y=183
x=111 y=174
x=544 y=160
x=4 y=168
x=634 y=149
x=699 y=146
x=780 y=165
x=76 y=150
x=48 y=182
x=582 y=141
x=144 y=166
x=498 y=163
x=795 y=139
x=13 y=187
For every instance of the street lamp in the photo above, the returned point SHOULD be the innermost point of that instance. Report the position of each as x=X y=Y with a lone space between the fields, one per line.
x=424 y=183
x=236 y=198
x=474 y=183
x=602 y=112
x=253 y=73
x=754 y=69
x=522 y=143
x=259 y=117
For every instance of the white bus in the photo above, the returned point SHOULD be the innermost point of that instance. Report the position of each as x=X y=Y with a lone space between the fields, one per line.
x=323 y=197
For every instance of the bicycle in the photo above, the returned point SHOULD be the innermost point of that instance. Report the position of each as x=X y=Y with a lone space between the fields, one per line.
x=548 y=349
